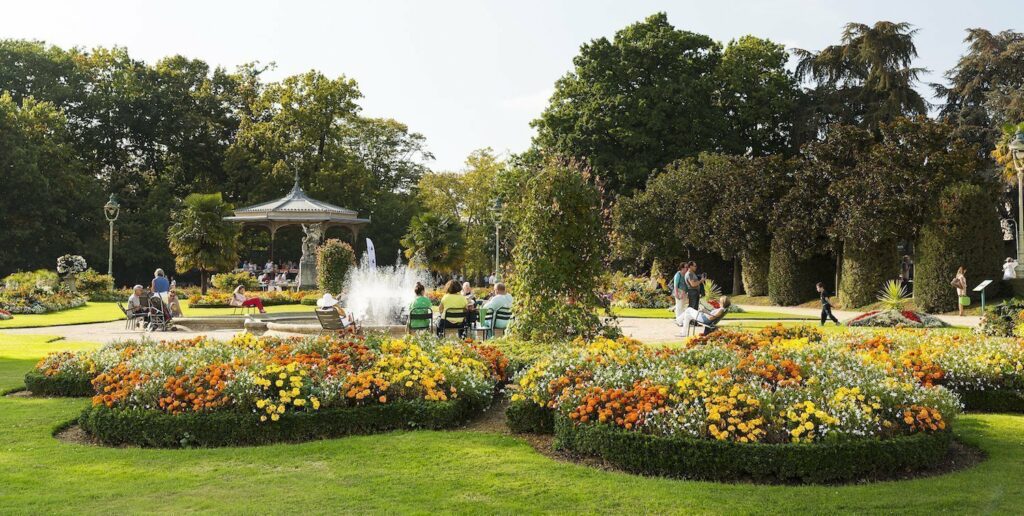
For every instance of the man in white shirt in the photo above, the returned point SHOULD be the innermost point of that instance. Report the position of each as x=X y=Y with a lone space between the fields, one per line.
x=500 y=299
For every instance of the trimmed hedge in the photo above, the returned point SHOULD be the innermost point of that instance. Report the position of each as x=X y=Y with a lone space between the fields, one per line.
x=864 y=273
x=754 y=267
x=965 y=232
x=39 y=384
x=993 y=400
x=527 y=417
x=151 y=428
x=814 y=463
x=791 y=280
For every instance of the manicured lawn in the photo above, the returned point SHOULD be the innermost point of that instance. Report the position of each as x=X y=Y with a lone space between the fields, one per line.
x=664 y=313
x=426 y=472
x=105 y=312
x=19 y=353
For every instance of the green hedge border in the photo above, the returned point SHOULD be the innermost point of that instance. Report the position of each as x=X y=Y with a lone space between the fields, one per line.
x=994 y=400
x=41 y=385
x=817 y=463
x=150 y=428
x=527 y=417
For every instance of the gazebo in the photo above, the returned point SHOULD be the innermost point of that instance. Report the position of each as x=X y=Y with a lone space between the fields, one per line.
x=316 y=217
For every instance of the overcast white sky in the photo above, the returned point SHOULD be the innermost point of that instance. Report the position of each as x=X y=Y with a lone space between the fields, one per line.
x=466 y=74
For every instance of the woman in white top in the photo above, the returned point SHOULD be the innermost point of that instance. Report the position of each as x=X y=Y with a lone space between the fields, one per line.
x=1010 y=269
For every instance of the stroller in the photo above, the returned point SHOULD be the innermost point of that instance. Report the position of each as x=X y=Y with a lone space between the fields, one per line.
x=159 y=318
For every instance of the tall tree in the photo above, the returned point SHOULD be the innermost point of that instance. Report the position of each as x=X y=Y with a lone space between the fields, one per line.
x=760 y=98
x=436 y=242
x=636 y=103
x=867 y=79
x=201 y=239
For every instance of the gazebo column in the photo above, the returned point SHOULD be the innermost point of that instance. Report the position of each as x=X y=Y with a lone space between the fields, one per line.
x=355 y=240
x=273 y=229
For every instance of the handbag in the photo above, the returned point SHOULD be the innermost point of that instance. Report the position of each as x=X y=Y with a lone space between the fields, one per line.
x=965 y=300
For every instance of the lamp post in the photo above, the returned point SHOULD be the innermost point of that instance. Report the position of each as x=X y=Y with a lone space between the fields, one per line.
x=1016 y=146
x=110 y=211
x=496 y=209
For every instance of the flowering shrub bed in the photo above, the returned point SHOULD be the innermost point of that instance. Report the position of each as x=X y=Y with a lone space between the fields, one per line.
x=255 y=390
x=897 y=319
x=5 y=315
x=636 y=292
x=31 y=300
x=765 y=401
x=214 y=299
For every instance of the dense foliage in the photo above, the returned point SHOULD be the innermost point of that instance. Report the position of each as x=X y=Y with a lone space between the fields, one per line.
x=965 y=233
x=334 y=260
x=559 y=255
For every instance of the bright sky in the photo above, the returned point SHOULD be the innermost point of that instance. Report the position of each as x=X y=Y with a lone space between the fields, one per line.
x=467 y=74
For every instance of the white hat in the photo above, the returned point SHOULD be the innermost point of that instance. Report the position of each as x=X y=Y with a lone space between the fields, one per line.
x=327 y=301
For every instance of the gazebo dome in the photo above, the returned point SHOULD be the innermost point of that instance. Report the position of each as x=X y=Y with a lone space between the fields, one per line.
x=296 y=208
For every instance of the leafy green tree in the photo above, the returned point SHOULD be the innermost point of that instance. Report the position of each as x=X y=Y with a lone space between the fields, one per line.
x=435 y=242
x=334 y=259
x=50 y=206
x=866 y=79
x=200 y=238
x=627 y=102
x=559 y=255
x=759 y=96
x=986 y=87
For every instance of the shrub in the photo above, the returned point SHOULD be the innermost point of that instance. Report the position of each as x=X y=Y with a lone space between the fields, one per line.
x=787 y=281
x=965 y=232
x=95 y=286
x=828 y=462
x=865 y=270
x=636 y=292
x=42 y=279
x=269 y=298
x=1000 y=320
x=526 y=417
x=755 y=268
x=65 y=386
x=334 y=259
x=559 y=254
x=228 y=281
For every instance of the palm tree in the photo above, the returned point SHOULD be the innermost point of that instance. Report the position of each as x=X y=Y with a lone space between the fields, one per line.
x=438 y=241
x=201 y=239
x=867 y=78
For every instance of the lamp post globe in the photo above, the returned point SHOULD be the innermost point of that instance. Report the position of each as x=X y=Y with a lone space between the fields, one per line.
x=1016 y=147
x=111 y=210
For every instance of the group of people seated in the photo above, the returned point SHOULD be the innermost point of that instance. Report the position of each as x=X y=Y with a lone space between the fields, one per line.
x=272 y=276
x=461 y=300
x=161 y=299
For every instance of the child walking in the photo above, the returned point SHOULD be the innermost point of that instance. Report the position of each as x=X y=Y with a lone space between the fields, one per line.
x=826 y=305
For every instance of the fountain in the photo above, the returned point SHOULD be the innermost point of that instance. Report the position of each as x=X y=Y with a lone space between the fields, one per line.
x=380 y=296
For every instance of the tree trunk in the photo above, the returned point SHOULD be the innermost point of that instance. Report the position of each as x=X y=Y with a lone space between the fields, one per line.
x=202 y=281
x=737 y=276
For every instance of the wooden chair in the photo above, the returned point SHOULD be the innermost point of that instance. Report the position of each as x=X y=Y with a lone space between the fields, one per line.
x=420 y=319
x=329 y=321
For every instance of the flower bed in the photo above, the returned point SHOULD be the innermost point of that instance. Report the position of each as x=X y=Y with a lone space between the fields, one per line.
x=774 y=404
x=637 y=292
x=255 y=390
x=31 y=300
x=5 y=315
x=269 y=298
x=897 y=319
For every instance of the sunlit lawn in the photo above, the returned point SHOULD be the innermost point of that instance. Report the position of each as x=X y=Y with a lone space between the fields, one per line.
x=105 y=312
x=426 y=472
x=664 y=313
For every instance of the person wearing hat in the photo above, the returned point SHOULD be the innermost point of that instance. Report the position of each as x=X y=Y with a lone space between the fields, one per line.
x=328 y=302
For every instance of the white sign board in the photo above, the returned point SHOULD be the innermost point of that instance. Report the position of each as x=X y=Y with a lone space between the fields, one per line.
x=981 y=286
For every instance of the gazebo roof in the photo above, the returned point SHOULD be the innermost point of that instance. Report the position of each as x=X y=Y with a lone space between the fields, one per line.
x=296 y=208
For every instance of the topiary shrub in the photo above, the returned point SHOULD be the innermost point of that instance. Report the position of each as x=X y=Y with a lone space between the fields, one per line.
x=992 y=400
x=559 y=255
x=334 y=259
x=527 y=417
x=965 y=232
x=95 y=286
x=791 y=279
x=228 y=281
x=755 y=268
x=865 y=270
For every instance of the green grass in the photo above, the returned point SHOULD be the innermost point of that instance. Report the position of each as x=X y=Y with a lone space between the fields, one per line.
x=106 y=312
x=664 y=313
x=425 y=472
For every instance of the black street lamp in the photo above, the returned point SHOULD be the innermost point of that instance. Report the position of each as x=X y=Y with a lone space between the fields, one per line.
x=111 y=211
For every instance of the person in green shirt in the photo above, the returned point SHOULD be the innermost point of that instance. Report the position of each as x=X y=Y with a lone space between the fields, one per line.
x=453 y=300
x=420 y=305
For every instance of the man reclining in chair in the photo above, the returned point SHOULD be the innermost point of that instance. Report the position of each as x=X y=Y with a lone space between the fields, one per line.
x=709 y=318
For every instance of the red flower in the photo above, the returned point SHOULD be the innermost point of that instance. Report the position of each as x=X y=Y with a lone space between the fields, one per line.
x=911 y=315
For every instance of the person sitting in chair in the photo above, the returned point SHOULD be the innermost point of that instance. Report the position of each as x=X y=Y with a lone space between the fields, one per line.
x=708 y=318
x=452 y=300
x=500 y=299
x=135 y=301
x=240 y=299
x=329 y=302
